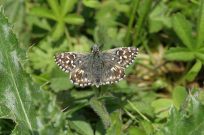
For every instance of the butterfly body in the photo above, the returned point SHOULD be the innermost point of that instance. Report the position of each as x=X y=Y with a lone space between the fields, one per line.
x=96 y=68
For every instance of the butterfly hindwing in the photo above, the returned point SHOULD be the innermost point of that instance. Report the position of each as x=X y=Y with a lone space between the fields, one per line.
x=81 y=75
x=112 y=74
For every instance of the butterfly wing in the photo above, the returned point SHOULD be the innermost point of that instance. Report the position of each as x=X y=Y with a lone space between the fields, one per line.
x=81 y=75
x=115 y=61
x=112 y=73
x=77 y=65
x=123 y=56
x=67 y=61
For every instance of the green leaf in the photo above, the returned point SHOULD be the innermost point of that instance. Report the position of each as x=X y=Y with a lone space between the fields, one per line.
x=200 y=25
x=16 y=90
x=179 y=96
x=161 y=107
x=191 y=75
x=144 y=10
x=41 y=23
x=91 y=3
x=15 y=11
x=42 y=51
x=147 y=126
x=42 y=12
x=200 y=55
x=183 y=29
x=58 y=31
x=179 y=54
x=159 y=18
x=60 y=83
x=116 y=125
x=67 y=5
x=81 y=126
x=74 y=19
x=55 y=7
x=101 y=111
x=136 y=131
x=187 y=121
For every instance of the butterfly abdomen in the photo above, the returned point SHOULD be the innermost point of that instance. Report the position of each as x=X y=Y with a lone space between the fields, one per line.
x=97 y=68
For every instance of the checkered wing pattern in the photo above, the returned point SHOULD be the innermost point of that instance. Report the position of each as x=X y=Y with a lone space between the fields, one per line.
x=67 y=61
x=77 y=65
x=90 y=69
x=115 y=61
x=123 y=56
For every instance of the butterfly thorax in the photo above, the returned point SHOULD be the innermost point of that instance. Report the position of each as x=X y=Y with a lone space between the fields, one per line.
x=95 y=50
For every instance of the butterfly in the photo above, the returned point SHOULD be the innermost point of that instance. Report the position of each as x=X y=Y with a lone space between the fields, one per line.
x=98 y=67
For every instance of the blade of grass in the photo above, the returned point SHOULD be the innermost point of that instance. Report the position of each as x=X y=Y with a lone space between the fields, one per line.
x=139 y=25
x=200 y=24
x=130 y=23
x=135 y=108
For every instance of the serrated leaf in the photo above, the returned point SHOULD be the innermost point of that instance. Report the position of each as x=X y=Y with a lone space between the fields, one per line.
x=183 y=30
x=191 y=75
x=16 y=89
x=179 y=54
x=101 y=111
x=187 y=121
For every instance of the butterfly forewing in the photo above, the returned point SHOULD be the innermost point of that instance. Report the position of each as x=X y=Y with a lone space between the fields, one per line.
x=124 y=56
x=77 y=65
x=67 y=61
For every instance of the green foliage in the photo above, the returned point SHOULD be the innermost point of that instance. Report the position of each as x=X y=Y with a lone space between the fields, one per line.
x=16 y=91
x=186 y=121
x=20 y=96
x=100 y=109
x=59 y=12
x=162 y=93
x=193 y=47
x=179 y=96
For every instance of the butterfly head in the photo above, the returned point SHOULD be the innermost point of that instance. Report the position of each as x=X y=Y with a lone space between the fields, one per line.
x=95 y=49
